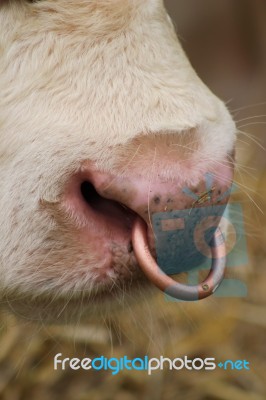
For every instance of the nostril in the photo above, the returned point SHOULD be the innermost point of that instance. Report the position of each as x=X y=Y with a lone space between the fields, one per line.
x=90 y=195
x=108 y=211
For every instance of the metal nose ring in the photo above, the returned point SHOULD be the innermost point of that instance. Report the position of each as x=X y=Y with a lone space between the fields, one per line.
x=166 y=283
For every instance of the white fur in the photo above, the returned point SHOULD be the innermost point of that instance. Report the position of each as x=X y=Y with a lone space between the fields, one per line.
x=77 y=79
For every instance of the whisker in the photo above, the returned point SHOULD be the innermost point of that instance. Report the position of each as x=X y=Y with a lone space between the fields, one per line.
x=252 y=138
x=253 y=123
x=249 y=118
x=248 y=106
x=252 y=200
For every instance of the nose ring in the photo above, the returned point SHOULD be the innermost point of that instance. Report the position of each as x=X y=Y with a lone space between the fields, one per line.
x=168 y=285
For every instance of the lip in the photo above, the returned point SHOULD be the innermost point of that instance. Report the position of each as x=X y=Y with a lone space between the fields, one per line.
x=69 y=308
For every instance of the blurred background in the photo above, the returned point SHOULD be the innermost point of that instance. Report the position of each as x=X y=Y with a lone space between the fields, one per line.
x=226 y=43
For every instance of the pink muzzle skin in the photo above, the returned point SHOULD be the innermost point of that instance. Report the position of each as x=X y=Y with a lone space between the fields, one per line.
x=145 y=197
x=168 y=285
